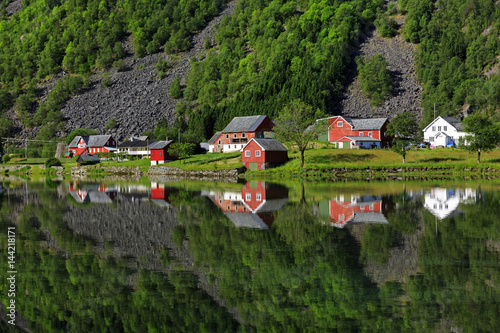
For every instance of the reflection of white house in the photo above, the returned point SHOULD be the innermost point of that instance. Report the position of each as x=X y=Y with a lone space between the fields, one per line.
x=444 y=131
x=443 y=203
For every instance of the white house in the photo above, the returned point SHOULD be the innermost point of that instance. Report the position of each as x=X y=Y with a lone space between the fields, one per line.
x=444 y=131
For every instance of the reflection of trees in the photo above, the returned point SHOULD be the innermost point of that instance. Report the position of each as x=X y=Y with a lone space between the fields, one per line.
x=82 y=292
x=460 y=274
x=299 y=275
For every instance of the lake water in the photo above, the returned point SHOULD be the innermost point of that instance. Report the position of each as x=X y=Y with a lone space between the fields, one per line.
x=156 y=256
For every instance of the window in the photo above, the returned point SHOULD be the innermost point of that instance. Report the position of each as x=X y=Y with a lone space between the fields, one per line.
x=257 y=153
x=219 y=141
x=360 y=133
x=370 y=134
x=341 y=217
x=227 y=136
x=247 y=153
x=431 y=139
x=439 y=128
x=235 y=135
x=258 y=197
x=434 y=128
x=445 y=128
x=243 y=135
x=248 y=196
x=161 y=154
x=340 y=124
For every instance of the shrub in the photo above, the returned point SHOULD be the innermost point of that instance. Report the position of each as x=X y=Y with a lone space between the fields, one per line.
x=106 y=81
x=110 y=124
x=175 y=88
x=6 y=158
x=52 y=161
x=375 y=78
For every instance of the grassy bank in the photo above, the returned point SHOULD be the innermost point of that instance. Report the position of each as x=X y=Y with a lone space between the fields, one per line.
x=329 y=163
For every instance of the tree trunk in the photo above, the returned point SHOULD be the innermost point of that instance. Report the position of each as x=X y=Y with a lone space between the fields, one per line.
x=479 y=155
x=404 y=158
x=301 y=158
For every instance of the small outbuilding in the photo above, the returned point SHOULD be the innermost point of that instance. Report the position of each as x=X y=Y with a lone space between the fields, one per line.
x=159 y=152
x=87 y=159
x=262 y=153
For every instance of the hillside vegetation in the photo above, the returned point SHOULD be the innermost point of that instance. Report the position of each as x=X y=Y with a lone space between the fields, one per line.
x=457 y=57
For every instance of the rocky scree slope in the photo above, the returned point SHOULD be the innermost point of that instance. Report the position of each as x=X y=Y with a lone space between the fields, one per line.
x=136 y=97
x=406 y=92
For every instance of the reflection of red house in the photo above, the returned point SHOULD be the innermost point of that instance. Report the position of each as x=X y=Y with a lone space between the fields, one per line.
x=260 y=154
x=159 y=152
x=357 y=209
x=254 y=206
x=95 y=193
x=160 y=192
x=348 y=132
x=92 y=144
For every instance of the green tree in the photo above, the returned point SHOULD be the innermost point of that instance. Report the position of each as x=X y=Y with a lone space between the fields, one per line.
x=297 y=125
x=375 y=78
x=175 y=90
x=483 y=134
x=110 y=124
x=182 y=150
x=404 y=130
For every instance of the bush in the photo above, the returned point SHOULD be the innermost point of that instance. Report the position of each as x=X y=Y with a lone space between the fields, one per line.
x=106 y=81
x=6 y=158
x=110 y=124
x=375 y=78
x=52 y=161
x=175 y=88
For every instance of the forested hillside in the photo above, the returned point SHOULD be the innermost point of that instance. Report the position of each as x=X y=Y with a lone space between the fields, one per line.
x=266 y=54
x=458 y=54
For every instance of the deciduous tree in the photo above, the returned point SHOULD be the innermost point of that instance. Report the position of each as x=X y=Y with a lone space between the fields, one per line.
x=404 y=130
x=297 y=125
x=483 y=134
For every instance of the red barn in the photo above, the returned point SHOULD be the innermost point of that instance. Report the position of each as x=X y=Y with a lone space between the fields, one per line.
x=239 y=132
x=347 y=132
x=92 y=144
x=159 y=152
x=261 y=154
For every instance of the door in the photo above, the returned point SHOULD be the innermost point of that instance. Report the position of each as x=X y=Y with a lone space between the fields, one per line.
x=253 y=166
x=347 y=145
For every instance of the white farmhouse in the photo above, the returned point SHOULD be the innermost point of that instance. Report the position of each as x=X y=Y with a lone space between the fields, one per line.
x=444 y=131
x=444 y=202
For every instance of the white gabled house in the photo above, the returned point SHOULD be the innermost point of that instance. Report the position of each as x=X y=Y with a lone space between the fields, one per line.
x=444 y=131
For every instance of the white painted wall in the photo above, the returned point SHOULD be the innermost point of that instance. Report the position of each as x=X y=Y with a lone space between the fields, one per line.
x=441 y=125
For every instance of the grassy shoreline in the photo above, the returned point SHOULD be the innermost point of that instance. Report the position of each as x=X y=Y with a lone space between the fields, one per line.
x=325 y=164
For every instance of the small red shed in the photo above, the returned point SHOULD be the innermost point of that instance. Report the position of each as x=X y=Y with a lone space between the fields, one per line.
x=261 y=154
x=159 y=152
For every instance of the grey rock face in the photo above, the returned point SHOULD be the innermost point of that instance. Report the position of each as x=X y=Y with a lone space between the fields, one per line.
x=406 y=92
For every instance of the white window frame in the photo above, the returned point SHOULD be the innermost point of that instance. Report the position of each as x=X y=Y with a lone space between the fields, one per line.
x=434 y=128
x=439 y=128
x=248 y=197
x=340 y=123
x=445 y=128
x=248 y=153
x=258 y=197
x=370 y=134
x=257 y=153
x=360 y=133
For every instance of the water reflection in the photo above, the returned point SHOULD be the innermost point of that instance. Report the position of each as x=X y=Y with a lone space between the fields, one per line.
x=91 y=193
x=253 y=206
x=356 y=209
x=444 y=202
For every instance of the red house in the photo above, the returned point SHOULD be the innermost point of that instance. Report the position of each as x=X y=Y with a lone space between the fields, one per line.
x=348 y=133
x=261 y=154
x=239 y=132
x=92 y=144
x=159 y=152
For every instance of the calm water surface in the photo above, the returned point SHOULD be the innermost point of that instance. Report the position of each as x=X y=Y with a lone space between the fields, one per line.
x=152 y=256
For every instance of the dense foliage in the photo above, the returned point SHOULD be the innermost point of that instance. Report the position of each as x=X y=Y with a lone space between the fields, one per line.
x=457 y=48
x=79 y=36
x=270 y=53
x=375 y=78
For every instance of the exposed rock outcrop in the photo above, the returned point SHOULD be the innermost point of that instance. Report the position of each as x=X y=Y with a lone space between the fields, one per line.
x=406 y=92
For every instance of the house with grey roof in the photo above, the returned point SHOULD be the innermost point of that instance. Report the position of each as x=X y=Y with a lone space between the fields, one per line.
x=92 y=144
x=444 y=132
x=239 y=132
x=347 y=133
x=263 y=153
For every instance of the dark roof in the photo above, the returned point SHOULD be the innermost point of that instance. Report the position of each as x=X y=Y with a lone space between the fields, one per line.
x=243 y=124
x=98 y=140
x=368 y=124
x=269 y=144
x=145 y=144
x=160 y=144
x=74 y=142
x=214 y=138
x=246 y=220
x=88 y=157
x=455 y=123
x=128 y=144
x=90 y=141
